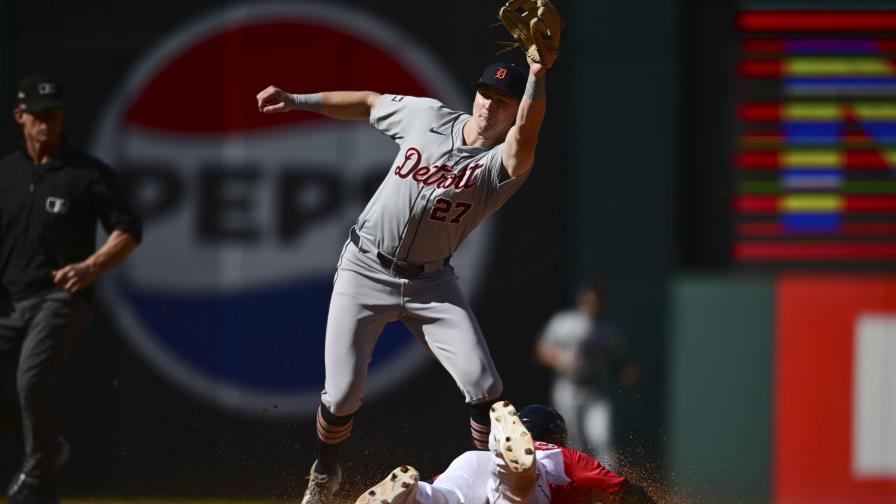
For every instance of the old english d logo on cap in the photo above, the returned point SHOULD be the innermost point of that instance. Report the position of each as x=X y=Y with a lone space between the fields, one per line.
x=502 y=72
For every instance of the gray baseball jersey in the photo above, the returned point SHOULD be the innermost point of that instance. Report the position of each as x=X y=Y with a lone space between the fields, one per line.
x=433 y=196
x=439 y=189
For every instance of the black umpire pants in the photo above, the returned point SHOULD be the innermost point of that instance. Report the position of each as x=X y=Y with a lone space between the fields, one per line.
x=36 y=336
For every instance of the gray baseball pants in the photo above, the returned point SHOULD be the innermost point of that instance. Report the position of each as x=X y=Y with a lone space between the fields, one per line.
x=36 y=336
x=366 y=296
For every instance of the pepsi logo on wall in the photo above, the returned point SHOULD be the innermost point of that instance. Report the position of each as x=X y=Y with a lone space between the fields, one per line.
x=245 y=213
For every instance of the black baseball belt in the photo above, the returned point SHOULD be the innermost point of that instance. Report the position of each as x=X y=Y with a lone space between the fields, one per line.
x=400 y=268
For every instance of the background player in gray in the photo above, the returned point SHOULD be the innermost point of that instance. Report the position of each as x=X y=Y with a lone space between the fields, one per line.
x=452 y=171
x=586 y=352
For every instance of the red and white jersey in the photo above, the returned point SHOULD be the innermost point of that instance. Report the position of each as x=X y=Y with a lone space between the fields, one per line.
x=576 y=478
x=565 y=476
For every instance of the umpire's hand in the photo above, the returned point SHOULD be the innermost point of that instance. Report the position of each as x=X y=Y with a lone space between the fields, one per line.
x=75 y=277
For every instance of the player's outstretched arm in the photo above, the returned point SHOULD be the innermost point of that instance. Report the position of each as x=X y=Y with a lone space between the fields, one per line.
x=347 y=105
x=519 y=145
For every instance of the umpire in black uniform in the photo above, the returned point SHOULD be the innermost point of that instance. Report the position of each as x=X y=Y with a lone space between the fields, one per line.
x=51 y=197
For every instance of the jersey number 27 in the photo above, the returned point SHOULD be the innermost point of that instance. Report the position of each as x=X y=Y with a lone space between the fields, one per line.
x=443 y=207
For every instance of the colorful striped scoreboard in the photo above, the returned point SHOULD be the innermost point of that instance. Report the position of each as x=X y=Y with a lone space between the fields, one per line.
x=815 y=161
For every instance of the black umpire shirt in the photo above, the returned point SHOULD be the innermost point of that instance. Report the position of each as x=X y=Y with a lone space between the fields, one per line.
x=48 y=216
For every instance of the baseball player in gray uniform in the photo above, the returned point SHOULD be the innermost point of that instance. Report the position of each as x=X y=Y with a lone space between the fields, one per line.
x=452 y=170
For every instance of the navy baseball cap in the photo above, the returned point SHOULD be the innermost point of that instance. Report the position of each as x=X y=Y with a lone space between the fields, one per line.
x=507 y=77
x=38 y=93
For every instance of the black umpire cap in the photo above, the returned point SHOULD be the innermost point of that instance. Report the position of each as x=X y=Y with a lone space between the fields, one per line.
x=38 y=93
x=507 y=77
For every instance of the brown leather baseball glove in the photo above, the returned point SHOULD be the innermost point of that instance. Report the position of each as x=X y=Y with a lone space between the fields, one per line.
x=535 y=26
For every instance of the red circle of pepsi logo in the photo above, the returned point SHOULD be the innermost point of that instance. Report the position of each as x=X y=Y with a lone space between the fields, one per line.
x=246 y=213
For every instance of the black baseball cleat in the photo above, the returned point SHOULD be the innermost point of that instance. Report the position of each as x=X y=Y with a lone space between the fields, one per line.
x=29 y=489
x=399 y=487
x=25 y=490
x=512 y=440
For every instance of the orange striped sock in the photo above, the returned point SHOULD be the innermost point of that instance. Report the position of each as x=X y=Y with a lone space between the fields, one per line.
x=332 y=432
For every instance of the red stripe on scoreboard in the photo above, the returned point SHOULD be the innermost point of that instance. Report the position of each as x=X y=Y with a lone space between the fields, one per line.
x=816 y=21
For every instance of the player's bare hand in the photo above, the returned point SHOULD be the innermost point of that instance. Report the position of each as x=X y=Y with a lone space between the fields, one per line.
x=273 y=99
x=75 y=277
x=537 y=69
